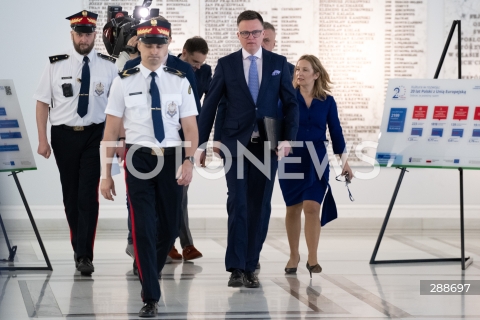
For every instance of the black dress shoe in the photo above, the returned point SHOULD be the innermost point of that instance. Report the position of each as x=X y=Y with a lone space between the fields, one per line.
x=85 y=266
x=236 y=279
x=251 y=280
x=148 y=310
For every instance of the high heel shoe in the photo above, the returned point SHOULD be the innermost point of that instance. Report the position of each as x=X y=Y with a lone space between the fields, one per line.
x=292 y=270
x=314 y=269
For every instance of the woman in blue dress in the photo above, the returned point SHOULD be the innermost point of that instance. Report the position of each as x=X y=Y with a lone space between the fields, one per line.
x=308 y=191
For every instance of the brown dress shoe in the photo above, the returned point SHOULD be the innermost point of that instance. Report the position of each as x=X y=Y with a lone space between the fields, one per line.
x=174 y=254
x=191 y=253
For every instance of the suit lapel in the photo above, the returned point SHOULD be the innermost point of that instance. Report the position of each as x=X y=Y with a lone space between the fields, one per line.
x=237 y=64
x=266 y=73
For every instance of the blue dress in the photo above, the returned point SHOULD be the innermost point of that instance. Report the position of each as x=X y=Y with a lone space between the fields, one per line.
x=312 y=129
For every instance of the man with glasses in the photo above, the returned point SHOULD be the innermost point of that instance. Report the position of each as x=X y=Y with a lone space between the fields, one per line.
x=268 y=43
x=252 y=80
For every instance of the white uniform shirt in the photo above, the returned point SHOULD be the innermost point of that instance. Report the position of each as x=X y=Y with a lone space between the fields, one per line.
x=64 y=109
x=130 y=99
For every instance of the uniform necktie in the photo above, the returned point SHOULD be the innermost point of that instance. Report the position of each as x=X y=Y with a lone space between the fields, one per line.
x=253 y=83
x=156 y=111
x=84 y=89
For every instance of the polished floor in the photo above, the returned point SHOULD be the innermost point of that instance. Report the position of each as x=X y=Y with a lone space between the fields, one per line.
x=348 y=288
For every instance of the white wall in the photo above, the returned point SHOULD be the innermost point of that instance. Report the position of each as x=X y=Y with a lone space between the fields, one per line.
x=32 y=30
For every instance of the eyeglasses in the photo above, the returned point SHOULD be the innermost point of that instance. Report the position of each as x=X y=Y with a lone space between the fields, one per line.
x=254 y=33
x=346 y=179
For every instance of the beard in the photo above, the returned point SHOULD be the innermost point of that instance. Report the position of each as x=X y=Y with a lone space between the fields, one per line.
x=82 y=49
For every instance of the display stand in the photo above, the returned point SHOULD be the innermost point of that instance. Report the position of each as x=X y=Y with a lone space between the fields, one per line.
x=465 y=261
x=12 y=250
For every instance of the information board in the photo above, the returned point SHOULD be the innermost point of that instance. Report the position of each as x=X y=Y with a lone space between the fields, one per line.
x=15 y=150
x=431 y=123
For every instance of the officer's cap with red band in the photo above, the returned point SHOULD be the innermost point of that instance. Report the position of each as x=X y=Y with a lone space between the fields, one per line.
x=84 y=21
x=153 y=31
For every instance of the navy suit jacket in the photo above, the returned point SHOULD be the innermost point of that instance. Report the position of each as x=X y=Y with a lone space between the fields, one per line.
x=217 y=131
x=175 y=63
x=203 y=77
x=241 y=113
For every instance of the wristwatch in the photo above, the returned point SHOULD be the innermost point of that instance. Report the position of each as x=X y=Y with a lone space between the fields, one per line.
x=191 y=159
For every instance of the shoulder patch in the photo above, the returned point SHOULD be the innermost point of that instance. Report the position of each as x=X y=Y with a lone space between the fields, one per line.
x=175 y=72
x=105 y=57
x=60 y=57
x=127 y=73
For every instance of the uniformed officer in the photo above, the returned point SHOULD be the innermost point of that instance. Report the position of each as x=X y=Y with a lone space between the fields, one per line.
x=153 y=102
x=76 y=84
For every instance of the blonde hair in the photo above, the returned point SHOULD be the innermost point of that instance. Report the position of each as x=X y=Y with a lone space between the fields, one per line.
x=322 y=86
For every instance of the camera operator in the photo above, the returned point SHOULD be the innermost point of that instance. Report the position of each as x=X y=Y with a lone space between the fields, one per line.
x=125 y=56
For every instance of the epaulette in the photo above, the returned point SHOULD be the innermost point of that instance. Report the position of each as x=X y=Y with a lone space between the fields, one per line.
x=129 y=72
x=174 y=71
x=60 y=57
x=105 y=57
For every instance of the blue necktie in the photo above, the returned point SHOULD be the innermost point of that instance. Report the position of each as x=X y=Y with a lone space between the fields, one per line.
x=253 y=83
x=156 y=111
x=84 y=89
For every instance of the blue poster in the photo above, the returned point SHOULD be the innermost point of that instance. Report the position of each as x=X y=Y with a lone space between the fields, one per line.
x=10 y=135
x=417 y=132
x=457 y=133
x=476 y=133
x=3 y=112
x=396 y=121
x=437 y=132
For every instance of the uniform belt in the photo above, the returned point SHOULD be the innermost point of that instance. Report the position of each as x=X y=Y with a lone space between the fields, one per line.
x=155 y=151
x=80 y=128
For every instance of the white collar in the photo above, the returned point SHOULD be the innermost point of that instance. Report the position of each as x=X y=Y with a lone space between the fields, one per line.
x=146 y=72
x=258 y=54
x=80 y=56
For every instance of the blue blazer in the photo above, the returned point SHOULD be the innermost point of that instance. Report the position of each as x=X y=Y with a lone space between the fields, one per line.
x=203 y=77
x=175 y=63
x=241 y=113
x=217 y=131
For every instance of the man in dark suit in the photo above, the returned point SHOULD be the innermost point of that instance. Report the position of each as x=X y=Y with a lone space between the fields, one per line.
x=251 y=80
x=195 y=52
x=268 y=43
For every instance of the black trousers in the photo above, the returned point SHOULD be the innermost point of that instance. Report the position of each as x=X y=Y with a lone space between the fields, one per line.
x=249 y=208
x=78 y=160
x=155 y=204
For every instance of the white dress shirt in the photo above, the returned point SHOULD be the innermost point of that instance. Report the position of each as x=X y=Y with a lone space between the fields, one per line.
x=69 y=71
x=247 y=62
x=130 y=99
x=246 y=70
